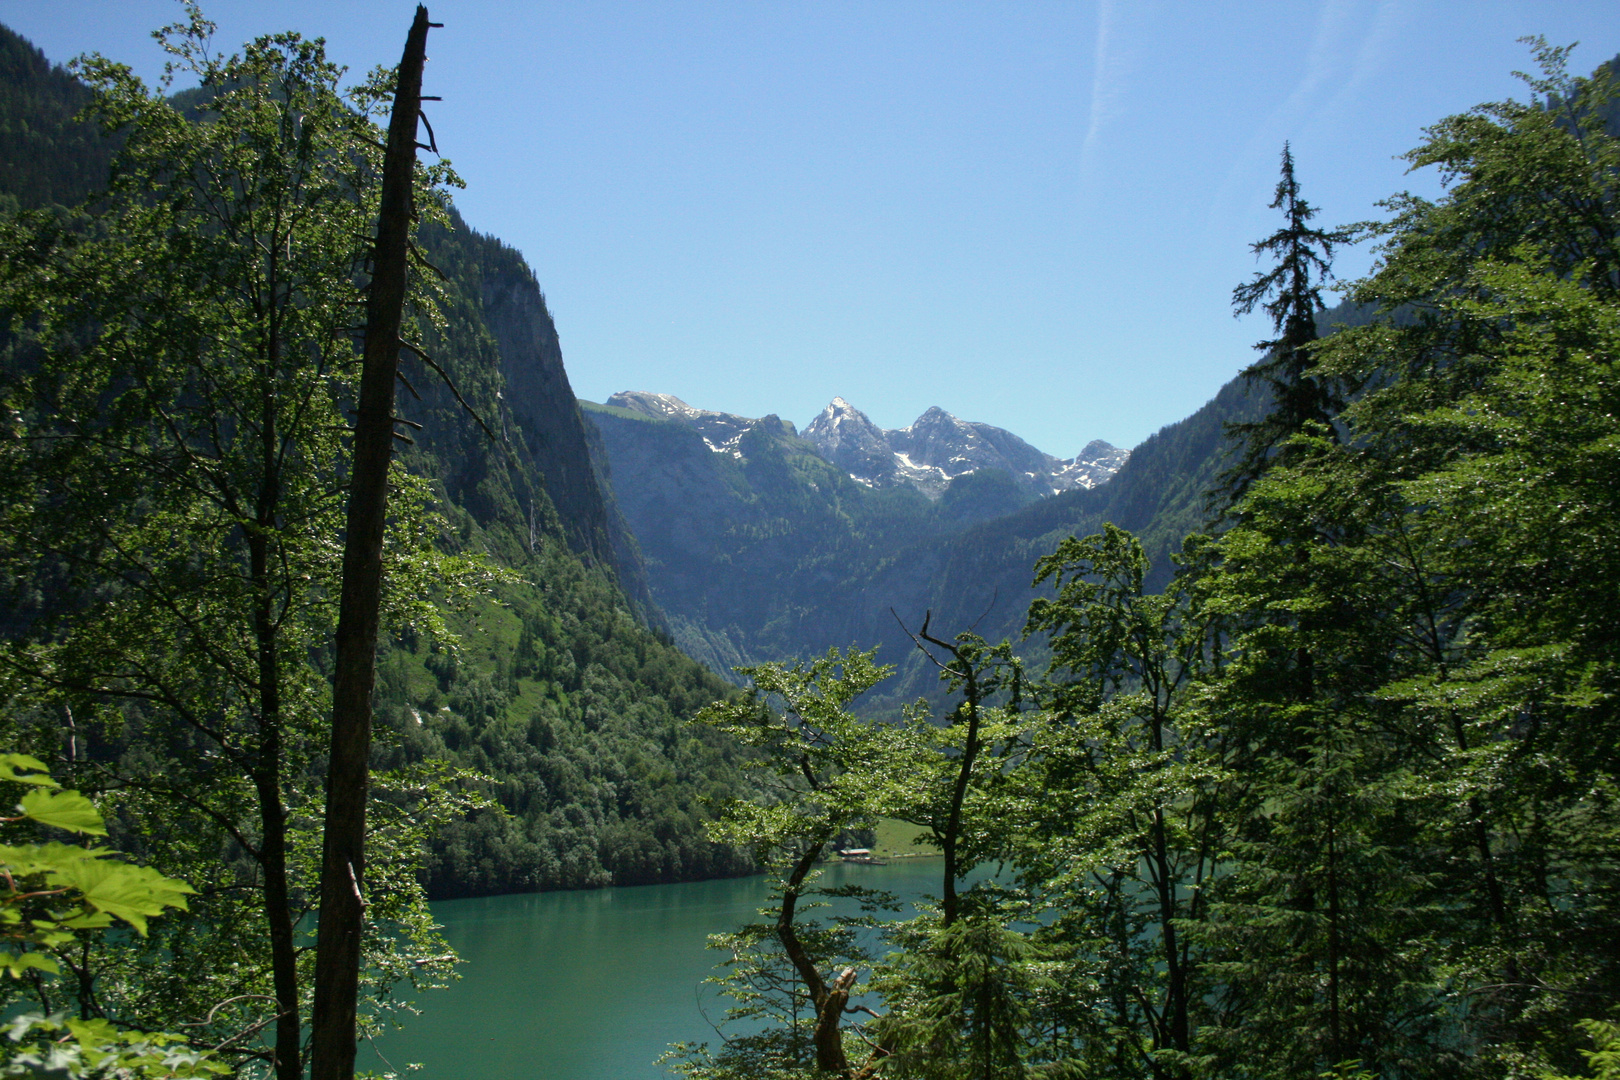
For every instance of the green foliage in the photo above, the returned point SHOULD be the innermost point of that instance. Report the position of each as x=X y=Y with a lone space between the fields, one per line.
x=172 y=502
x=554 y=690
x=1419 y=877
x=86 y=887
x=1604 y=1060
x=961 y=999
x=54 y=894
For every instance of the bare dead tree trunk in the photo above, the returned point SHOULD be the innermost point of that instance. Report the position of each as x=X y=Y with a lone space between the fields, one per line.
x=337 y=949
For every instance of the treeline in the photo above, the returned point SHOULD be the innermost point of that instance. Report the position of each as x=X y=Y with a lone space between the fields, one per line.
x=177 y=379
x=1339 y=799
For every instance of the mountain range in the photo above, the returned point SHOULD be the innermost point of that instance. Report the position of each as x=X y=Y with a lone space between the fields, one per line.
x=934 y=450
x=937 y=448
x=761 y=542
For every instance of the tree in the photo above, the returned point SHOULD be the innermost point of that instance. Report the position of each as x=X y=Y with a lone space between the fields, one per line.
x=1492 y=410
x=825 y=773
x=1290 y=293
x=171 y=499
x=1123 y=797
x=959 y=986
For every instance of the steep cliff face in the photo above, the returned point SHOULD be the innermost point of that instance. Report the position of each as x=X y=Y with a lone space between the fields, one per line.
x=556 y=436
x=539 y=395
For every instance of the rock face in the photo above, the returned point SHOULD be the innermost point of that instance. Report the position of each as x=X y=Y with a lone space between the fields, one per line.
x=849 y=440
x=722 y=432
x=543 y=401
x=928 y=455
x=938 y=447
x=557 y=439
x=1094 y=465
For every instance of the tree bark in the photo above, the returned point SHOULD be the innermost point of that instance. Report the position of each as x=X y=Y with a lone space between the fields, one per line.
x=337 y=956
x=829 y=1016
x=829 y=1001
x=267 y=772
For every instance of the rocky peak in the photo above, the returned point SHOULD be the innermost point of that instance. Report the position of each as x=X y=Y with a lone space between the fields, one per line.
x=1094 y=465
x=846 y=437
x=659 y=406
x=932 y=451
x=938 y=447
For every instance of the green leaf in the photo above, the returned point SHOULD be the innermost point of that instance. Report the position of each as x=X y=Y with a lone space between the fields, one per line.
x=131 y=893
x=63 y=810
x=16 y=965
x=10 y=763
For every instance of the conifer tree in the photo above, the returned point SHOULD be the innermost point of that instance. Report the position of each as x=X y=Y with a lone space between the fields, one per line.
x=1290 y=293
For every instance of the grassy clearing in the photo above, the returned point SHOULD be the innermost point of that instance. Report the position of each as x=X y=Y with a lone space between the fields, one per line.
x=895 y=840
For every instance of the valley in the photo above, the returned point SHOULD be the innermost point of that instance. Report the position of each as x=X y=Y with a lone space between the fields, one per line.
x=1280 y=744
x=762 y=543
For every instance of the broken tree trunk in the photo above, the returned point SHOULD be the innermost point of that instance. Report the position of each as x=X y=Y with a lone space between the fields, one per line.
x=337 y=955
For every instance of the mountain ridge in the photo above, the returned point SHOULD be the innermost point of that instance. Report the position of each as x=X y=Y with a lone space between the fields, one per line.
x=927 y=455
x=760 y=545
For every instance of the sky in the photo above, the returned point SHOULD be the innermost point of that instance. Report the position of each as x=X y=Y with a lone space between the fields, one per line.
x=1029 y=214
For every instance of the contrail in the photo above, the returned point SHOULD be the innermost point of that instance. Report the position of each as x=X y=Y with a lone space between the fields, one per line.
x=1104 y=87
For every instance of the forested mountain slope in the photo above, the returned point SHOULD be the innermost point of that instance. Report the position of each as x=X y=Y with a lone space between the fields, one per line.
x=45 y=156
x=558 y=690
x=980 y=577
x=759 y=548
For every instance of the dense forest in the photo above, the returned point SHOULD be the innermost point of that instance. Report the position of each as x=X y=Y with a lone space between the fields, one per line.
x=1302 y=762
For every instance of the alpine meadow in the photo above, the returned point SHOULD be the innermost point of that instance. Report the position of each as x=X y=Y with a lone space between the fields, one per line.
x=1285 y=745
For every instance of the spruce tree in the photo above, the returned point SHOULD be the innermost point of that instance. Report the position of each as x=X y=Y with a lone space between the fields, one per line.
x=1290 y=293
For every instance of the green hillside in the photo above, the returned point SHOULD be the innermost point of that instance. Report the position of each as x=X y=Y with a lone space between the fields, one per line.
x=560 y=693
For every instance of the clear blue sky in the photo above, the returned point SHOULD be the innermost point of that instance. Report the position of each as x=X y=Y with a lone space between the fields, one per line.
x=1030 y=214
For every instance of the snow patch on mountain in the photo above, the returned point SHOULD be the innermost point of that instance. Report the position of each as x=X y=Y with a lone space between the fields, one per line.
x=938 y=447
x=932 y=451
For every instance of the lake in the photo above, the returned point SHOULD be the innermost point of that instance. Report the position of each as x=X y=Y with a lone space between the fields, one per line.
x=590 y=985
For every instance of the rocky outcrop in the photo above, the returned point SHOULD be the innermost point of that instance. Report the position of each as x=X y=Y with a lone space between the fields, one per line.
x=938 y=447
x=849 y=440
x=722 y=432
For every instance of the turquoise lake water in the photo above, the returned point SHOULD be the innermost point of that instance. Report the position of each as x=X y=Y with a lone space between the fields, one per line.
x=589 y=985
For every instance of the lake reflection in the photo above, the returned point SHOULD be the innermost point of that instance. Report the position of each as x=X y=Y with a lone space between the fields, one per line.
x=590 y=985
